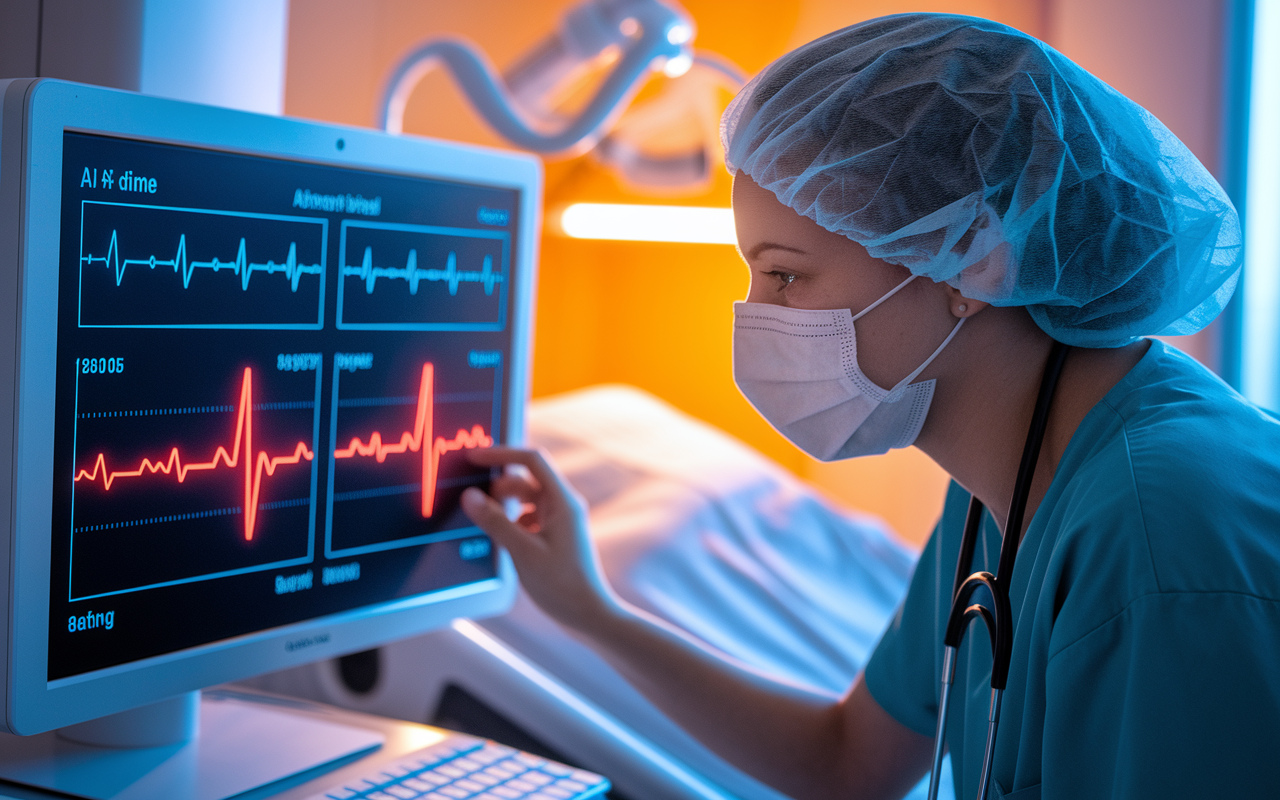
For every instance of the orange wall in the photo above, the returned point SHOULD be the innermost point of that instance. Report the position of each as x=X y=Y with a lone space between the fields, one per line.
x=659 y=315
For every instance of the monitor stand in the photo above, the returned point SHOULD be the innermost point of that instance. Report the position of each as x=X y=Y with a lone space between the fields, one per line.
x=185 y=748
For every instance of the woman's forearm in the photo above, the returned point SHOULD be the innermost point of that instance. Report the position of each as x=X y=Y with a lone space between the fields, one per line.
x=802 y=742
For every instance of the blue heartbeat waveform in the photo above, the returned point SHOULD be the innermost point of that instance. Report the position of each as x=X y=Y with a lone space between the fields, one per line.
x=241 y=266
x=368 y=273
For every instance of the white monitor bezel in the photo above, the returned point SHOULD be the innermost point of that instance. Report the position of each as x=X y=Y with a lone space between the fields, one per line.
x=39 y=112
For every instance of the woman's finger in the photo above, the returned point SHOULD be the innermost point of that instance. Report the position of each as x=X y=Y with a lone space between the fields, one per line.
x=490 y=517
x=517 y=486
x=533 y=460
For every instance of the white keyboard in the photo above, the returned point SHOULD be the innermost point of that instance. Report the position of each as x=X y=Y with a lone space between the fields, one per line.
x=467 y=768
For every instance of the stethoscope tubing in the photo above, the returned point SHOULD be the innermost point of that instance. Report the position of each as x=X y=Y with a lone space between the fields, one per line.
x=998 y=619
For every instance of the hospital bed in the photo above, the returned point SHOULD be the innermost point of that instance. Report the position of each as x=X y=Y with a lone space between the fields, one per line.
x=691 y=525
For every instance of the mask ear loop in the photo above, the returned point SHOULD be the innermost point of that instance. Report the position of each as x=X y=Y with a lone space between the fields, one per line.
x=891 y=293
x=896 y=392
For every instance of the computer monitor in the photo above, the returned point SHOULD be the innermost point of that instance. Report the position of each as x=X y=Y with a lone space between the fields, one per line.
x=241 y=360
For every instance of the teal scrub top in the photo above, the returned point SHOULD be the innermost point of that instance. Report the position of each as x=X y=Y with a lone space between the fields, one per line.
x=1146 y=600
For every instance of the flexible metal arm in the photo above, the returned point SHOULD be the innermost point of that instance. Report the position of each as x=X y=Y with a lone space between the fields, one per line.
x=650 y=33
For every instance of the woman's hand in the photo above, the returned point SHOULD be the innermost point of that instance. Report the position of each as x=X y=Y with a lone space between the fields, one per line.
x=549 y=542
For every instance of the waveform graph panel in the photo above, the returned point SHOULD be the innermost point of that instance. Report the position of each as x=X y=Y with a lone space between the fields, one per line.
x=422 y=277
x=192 y=480
x=399 y=432
x=144 y=266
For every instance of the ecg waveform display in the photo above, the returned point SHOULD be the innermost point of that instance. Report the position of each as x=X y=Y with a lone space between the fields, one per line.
x=421 y=439
x=255 y=468
x=192 y=491
x=451 y=276
x=242 y=267
x=158 y=267
x=421 y=277
x=395 y=479
x=264 y=375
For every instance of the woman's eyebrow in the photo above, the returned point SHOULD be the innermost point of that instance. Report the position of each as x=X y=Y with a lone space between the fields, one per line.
x=759 y=248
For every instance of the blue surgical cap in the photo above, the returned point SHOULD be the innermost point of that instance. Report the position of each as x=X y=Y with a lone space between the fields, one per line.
x=974 y=154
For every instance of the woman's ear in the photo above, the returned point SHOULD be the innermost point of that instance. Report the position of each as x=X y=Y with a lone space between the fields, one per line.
x=962 y=307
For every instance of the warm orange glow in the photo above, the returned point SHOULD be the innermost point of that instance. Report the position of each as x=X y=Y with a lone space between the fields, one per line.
x=253 y=469
x=411 y=441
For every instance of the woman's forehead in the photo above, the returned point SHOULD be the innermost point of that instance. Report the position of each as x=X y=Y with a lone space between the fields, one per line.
x=761 y=218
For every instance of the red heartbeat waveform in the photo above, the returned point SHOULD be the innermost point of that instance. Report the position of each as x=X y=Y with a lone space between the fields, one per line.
x=412 y=441
x=253 y=468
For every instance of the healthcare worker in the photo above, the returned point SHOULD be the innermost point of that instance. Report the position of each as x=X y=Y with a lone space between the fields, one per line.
x=927 y=203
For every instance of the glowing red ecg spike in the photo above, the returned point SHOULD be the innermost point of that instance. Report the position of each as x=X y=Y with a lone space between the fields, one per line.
x=254 y=468
x=413 y=441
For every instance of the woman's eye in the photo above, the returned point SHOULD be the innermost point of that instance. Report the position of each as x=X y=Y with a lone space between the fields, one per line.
x=784 y=279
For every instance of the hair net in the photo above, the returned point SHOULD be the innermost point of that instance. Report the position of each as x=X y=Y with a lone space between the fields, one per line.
x=974 y=154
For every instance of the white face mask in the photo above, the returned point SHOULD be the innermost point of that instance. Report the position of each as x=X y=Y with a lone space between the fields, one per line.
x=799 y=368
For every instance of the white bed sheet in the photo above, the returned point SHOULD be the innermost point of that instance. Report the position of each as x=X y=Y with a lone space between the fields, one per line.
x=702 y=530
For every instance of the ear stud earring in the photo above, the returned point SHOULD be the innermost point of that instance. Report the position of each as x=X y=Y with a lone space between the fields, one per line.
x=962 y=308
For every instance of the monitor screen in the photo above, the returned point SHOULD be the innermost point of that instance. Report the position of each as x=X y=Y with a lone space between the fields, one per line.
x=268 y=372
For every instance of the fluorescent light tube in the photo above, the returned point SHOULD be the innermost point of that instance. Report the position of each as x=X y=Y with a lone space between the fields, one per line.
x=1261 y=335
x=649 y=223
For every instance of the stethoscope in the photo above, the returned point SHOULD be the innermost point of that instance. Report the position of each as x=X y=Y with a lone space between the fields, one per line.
x=998 y=618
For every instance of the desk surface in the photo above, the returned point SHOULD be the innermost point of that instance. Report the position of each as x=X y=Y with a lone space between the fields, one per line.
x=401 y=738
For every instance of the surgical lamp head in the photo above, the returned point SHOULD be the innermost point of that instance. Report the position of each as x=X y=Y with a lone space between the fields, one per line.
x=650 y=35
